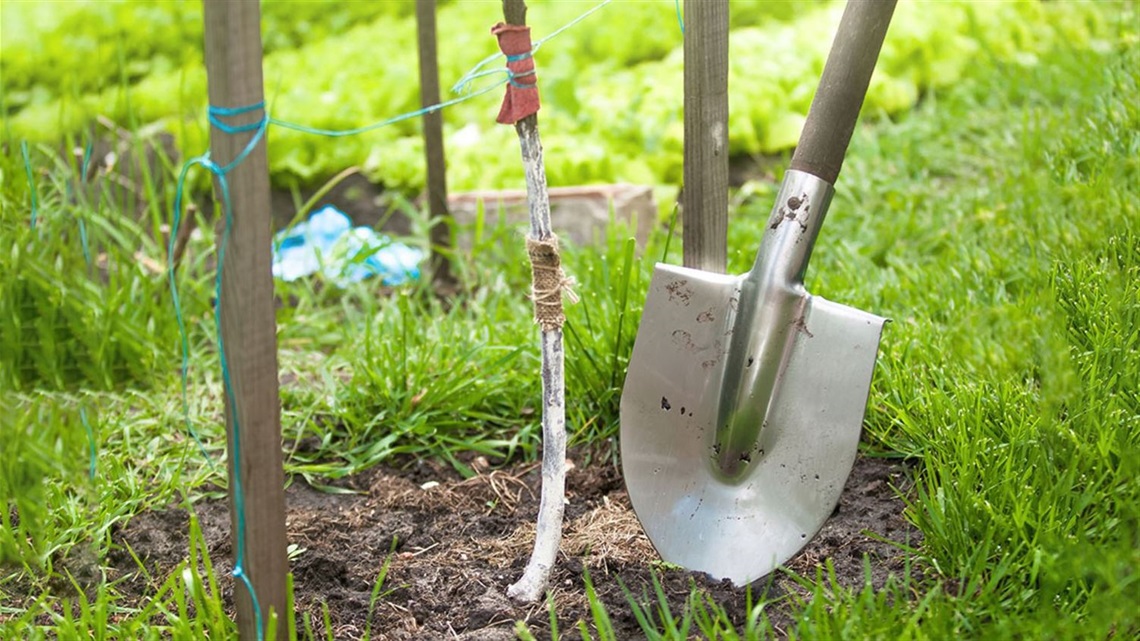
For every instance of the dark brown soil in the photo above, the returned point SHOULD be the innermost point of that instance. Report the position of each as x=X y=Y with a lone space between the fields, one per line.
x=462 y=542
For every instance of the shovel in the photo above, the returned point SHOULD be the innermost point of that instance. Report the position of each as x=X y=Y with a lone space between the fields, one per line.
x=744 y=399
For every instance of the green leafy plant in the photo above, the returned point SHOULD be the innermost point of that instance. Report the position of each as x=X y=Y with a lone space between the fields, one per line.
x=612 y=108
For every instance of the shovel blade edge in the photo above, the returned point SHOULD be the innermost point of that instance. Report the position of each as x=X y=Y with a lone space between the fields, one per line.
x=745 y=528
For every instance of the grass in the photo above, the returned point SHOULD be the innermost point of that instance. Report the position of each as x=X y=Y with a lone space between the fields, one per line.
x=92 y=333
x=996 y=224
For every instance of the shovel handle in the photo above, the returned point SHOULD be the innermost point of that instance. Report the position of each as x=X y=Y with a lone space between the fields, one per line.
x=836 y=105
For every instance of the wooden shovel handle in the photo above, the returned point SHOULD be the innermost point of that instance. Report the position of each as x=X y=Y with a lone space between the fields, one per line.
x=842 y=88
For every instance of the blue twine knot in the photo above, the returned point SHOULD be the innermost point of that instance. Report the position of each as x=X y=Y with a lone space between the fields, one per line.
x=518 y=85
x=511 y=75
x=215 y=115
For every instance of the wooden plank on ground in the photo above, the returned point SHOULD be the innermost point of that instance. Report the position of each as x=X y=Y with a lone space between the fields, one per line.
x=233 y=64
x=704 y=198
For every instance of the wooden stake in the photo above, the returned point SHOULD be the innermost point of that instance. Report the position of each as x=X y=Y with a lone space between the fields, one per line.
x=433 y=141
x=532 y=585
x=704 y=201
x=248 y=325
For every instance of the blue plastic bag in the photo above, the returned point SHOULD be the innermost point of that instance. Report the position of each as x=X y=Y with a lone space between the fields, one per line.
x=328 y=243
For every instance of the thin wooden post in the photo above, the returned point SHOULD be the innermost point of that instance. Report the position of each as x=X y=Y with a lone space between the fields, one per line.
x=248 y=325
x=433 y=141
x=704 y=200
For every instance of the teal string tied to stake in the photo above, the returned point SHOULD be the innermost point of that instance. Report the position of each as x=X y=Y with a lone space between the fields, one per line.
x=90 y=442
x=31 y=182
x=217 y=116
x=86 y=165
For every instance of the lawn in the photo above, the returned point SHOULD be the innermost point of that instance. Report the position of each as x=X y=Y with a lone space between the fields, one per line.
x=992 y=212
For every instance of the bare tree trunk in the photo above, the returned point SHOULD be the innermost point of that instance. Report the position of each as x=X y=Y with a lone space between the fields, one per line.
x=548 y=283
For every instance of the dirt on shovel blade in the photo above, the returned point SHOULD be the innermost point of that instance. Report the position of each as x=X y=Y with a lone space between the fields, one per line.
x=460 y=543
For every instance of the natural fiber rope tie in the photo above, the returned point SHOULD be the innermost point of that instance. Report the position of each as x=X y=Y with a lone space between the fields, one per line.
x=548 y=283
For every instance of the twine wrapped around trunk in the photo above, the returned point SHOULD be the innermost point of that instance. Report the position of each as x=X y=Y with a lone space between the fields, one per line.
x=548 y=283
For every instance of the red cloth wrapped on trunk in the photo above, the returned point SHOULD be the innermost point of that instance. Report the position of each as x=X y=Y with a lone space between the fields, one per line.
x=522 y=91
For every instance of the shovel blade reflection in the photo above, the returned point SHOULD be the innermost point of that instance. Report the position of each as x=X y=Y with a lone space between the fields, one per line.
x=742 y=528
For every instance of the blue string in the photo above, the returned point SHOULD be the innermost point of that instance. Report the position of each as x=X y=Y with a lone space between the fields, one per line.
x=90 y=440
x=680 y=19
x=31 y=180
x=223 y=112
x=478 y=72
x=519 y=85
x=215 y=116
x=227 y=208
x=341 y=133
x=82 y=221
x=35 y=199
x=177 y=300
x=220 y=171
x=239 y=492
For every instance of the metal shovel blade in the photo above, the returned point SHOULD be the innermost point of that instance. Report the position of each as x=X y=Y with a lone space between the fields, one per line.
x=744 y=397
x=742 y=524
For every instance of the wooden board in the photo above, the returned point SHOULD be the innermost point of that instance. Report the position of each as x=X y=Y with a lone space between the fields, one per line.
x=248 y=325
x=433 y=140
x=704 y=199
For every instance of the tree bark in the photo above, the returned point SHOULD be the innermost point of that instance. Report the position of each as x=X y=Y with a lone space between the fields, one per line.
x=548 y=534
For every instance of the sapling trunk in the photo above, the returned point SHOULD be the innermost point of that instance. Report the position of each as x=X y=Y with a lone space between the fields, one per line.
x=547 y=286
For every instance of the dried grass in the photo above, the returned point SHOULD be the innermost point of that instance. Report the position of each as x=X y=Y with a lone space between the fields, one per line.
x=609 y=533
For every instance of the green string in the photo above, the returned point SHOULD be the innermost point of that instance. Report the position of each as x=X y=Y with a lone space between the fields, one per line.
x=341 y=133
x=35 y=200
x=82 y=222
x=90 y=441
x=31 y=181
x=220 y=172
x=177 y=301
x=74 y=191
x=239 y=492
x=477 y=71
x=216 y=116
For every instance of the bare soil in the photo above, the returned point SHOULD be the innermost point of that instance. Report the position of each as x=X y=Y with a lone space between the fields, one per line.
x=461 y=542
